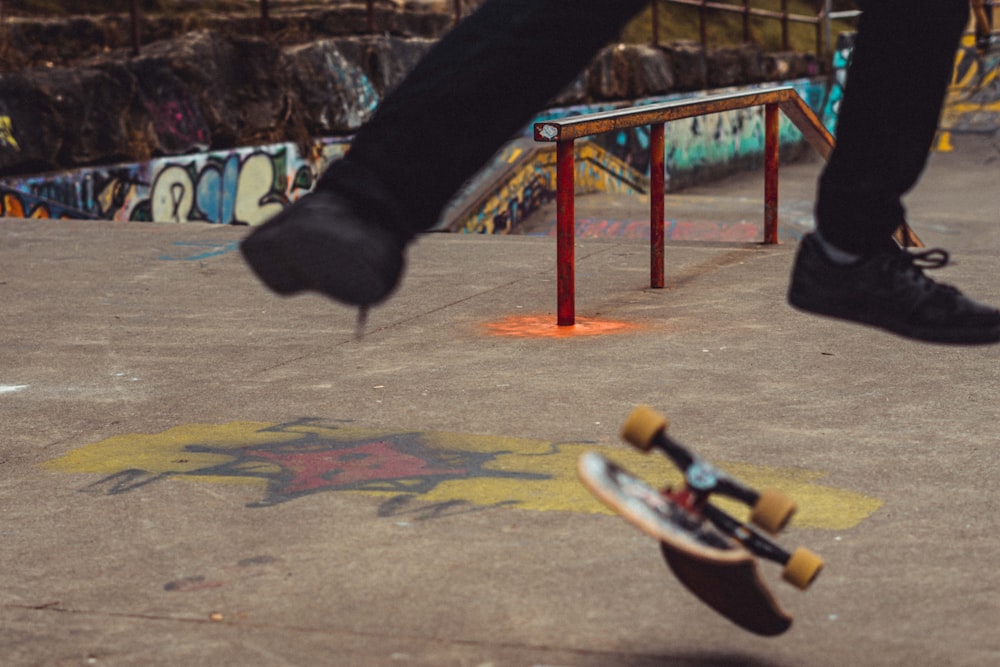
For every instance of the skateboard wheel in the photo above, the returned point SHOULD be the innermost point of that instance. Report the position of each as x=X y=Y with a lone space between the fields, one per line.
x=642 y=426
x=802 y=568
x=772 y=511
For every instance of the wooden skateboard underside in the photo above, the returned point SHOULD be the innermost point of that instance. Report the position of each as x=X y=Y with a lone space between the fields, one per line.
x=713 y=566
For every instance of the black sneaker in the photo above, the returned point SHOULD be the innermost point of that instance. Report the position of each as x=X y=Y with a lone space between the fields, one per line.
x=890 y=291
x=320 y=243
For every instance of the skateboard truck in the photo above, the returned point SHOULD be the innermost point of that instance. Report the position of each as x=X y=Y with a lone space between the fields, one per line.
x=771 y=509
x=713 y=554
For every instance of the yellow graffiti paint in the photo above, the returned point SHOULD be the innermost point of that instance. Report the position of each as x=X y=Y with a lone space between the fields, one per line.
x=286 y=461
x=944 y=144
x=7 y=133
x=596 y=170
x=12 y=206
x=968 y=95
x=169 y=451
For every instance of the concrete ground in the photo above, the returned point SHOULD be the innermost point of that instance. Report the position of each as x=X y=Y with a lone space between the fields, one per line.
x=195 y=472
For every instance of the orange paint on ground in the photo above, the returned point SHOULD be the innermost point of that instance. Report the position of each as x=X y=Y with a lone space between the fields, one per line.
x=544 y=326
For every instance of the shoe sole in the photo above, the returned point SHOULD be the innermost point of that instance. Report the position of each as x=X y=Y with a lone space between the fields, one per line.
x=952 y=336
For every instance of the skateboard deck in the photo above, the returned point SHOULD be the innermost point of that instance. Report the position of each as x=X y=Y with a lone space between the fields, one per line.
x=712 y=554
x=711 y=565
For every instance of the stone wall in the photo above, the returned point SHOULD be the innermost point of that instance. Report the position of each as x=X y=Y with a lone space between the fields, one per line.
x=249 y=184
x=220 y=89
x=27 y=42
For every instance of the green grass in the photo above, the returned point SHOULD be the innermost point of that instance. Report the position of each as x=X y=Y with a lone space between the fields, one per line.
x=726 y=28
x=67 y=7
x=676 y=21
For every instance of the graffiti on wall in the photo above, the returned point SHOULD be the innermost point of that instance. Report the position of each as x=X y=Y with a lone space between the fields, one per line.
x=702 y=141
x=351 y=88
x=242 y=186
x=241 y=189
x=14 y=204
x=717 y=141
x=7 y=139
x=841 y=61
x=517 y=198
x=973 y=101
x=425 y=475
x=248 y=185
x=176 y=121
x=619 y=161
x=525 y=180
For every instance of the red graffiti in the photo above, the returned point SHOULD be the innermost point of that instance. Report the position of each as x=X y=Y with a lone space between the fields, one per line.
x=309 y=471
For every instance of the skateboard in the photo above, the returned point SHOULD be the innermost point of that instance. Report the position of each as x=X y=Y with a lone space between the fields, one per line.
x=710 y=552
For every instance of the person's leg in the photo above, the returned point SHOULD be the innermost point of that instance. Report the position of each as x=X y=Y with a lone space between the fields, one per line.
x=851 y=268
x=476 y=88
x=900 y=68
x=473 y=90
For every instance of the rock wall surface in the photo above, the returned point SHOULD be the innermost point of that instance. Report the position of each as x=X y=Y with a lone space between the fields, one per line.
x=224 y=86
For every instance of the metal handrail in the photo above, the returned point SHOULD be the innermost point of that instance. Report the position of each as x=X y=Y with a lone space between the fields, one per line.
x=744 y=9
x=564 y=133
x=799 y=112
x=821 y=20
x=265 y=18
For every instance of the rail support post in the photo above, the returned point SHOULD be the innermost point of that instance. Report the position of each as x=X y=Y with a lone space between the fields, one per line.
x=135 y=17
x=565 y=233
x=772 y=146
x=657 y=155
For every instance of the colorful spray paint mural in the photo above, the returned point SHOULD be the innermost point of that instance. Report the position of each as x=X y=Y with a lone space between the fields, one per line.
x=422 y=475
x=701 y=144
x=973 y=102
x=15 y=204
x=522 y=178
x=618 y=162
x=248 y=185
x=841 y=61
x=242 y=186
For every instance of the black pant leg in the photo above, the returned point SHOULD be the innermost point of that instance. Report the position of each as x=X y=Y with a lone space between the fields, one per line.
x=476 y=87
x=901 y=66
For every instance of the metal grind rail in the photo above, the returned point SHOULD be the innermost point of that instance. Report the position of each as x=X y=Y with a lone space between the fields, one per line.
x=565 y=132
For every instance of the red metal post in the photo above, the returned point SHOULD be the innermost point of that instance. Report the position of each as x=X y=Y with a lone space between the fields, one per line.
x=772 y=146
x=657 y=152
x=786 y=42
x=703 y=24
x=655 y=22
x=822 y=48
x=566 y=233
x=135 y=17
x=747 y=35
